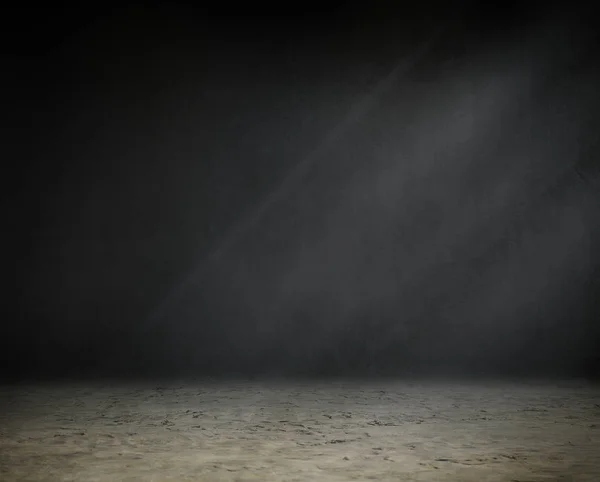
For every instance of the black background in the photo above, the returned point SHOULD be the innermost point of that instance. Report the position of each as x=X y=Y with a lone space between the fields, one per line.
x=140 y=138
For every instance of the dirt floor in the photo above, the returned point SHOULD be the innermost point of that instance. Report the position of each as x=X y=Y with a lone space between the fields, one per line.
x=301 y=432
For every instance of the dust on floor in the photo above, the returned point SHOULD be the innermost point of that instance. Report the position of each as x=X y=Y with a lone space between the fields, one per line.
x=301 y=432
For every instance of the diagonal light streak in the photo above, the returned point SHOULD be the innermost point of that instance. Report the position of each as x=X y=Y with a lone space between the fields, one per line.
x=356 y=112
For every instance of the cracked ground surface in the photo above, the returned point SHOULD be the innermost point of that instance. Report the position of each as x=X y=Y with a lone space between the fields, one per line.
x=301 y=432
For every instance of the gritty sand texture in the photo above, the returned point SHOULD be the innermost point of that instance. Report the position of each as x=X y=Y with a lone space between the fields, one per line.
x=301 y=432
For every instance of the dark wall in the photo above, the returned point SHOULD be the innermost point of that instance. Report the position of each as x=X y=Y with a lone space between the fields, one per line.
x=145 y=140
